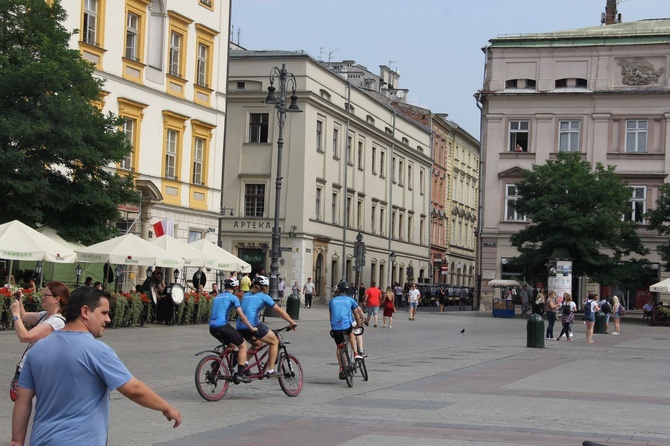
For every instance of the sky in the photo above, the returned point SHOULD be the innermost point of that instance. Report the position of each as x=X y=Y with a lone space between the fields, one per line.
x=435 y=45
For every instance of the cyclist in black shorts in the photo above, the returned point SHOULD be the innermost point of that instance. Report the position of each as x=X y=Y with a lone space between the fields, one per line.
x=226 y=333
x=343 y=311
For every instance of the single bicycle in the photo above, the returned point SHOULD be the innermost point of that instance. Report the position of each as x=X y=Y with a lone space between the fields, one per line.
x=215 y=372
x=350 y=364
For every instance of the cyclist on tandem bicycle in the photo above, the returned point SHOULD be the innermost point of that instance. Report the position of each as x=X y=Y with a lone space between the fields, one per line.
x=343 y=311
x=252 y=304
x=224 y=332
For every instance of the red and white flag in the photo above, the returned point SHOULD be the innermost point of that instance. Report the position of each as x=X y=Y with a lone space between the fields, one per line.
x=164 y=227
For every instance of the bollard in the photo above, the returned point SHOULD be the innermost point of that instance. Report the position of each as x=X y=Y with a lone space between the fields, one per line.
x=535 y=331
x=293 y=306
x=599 y=326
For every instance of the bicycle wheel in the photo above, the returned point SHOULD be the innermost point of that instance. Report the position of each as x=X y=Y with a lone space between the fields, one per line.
x=346 y=367
x=211 y=378
x=363 y=368
x=291 y=382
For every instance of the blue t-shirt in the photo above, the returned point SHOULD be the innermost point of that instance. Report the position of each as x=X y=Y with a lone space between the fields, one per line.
x=340 y=312
x=72 y=375
x=252 y=304
x=221 y=306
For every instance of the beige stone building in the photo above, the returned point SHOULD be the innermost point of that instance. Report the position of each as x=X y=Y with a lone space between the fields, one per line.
x=351 y=164
x=602 y=92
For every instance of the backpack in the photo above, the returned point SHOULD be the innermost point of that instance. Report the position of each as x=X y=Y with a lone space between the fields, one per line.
x=606 y=308
x=587 y=308
x=566 y=310
x=621 y=310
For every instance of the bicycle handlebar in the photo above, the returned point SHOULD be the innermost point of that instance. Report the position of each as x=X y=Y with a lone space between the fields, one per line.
x=287 y=328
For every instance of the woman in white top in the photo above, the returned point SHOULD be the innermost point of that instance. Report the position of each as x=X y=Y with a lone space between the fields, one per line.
x=615 y=314
x=44 y=322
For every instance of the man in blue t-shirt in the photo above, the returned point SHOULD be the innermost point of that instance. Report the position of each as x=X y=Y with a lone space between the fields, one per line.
x=223 y=331
x=72 y=374
x=252 y=304
x=343 y=312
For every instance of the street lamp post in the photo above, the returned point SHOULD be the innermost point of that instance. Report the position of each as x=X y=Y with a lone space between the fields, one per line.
x=392 y=257
x=285 y=78
x=78 y=271
x=38 y=271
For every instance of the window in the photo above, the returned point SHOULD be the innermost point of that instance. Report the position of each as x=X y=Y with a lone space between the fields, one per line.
x=519 y=136
x=422 y=174
x=132 y=22
x=336 y=143
x=198 y=156
x=382 y=219
x=317 y=203
x=373 y=214
x=171 y=154
x=382 y=164
x=410 y=177
x=638 y=204
x=410 y=229
x=359 y=215
x=156 y=38
x=254 y=200
x=90 y=22
x=636 y=136
x=333 y=207
x=350 y=159
x=511 y=195
x=401 y=173
x=175 y=54
x=421 y=230
x=319 y=136
x=511 y=83
x=393 y=176
x=348 y=212
x=568 y=136
x=374 y=160
x=194 y=235
x=393 y=221
x=128 y=130
x=361 y=155
x=258 y=127
x=201 y=71
x=401 y=226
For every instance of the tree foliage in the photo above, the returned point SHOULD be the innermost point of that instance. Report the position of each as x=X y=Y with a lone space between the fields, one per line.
x=570 y=205
x=55 y=143
x=659 y=220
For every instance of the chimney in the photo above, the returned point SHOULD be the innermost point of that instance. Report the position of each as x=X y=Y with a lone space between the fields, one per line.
x=611 y=13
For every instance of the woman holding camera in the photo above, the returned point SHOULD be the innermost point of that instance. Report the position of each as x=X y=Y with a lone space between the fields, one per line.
x=44 y=322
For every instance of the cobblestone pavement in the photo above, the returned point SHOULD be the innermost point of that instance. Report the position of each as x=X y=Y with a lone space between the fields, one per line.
x=429 y=384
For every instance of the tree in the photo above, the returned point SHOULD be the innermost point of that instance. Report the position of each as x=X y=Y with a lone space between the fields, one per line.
x=659 y=220
x=55 y=143
x=586 y=211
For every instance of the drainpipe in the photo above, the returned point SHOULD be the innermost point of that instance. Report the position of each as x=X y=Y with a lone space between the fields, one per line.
x=390 y=177
x=344 y=197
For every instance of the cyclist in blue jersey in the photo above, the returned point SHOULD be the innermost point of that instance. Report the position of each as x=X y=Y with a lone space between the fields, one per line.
x=343 y=312
x=252 y=304
x=223 y=331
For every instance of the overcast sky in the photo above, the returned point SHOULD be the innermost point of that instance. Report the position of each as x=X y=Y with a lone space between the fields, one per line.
x=435 y=45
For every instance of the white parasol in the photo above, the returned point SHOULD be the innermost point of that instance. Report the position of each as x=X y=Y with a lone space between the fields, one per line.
x=191 y=255
x=21 y=242
x=219 y=258
x=128 y=249
x=661 y=287
x=503 y=282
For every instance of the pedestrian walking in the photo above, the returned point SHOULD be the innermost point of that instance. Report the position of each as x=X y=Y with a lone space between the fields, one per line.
x=308 y=291
x=413 y=297
x=567 y=316
x=388 y=306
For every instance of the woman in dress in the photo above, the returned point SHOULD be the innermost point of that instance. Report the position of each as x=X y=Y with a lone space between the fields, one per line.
x=550 y=306
x=615 y=314
x=389 y=307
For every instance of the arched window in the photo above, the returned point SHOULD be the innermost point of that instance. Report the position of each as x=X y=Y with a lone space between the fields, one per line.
x=318 y=275
x=155 y=44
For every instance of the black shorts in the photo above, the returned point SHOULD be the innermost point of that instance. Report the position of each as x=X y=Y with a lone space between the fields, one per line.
x=341 y=336
x=254 y=336
x=226 y=334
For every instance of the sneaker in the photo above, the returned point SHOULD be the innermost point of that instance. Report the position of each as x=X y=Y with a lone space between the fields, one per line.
x=366 y=323
x=358 y=356
x=570 y=335
x=363 y=354
x=615 y=333
x=558 y=339
x=383 y=326
x=274 y=374
x=569 y=339
x=375 y=325
x=390 y=326
x=342 y=375
x=240 y=379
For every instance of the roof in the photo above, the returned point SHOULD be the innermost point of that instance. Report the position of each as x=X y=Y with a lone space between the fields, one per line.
x=650 y=31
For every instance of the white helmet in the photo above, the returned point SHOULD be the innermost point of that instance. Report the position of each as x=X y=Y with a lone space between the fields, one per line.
x=231 y=283
x=262 y=280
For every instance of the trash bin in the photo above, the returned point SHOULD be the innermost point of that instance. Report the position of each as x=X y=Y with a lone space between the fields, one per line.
x=535 y=331
x=599 y=326
x=293 y=306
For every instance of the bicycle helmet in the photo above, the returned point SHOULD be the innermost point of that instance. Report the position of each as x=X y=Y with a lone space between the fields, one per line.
x=231 y=283
x=343 y=287
x=262 y=280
